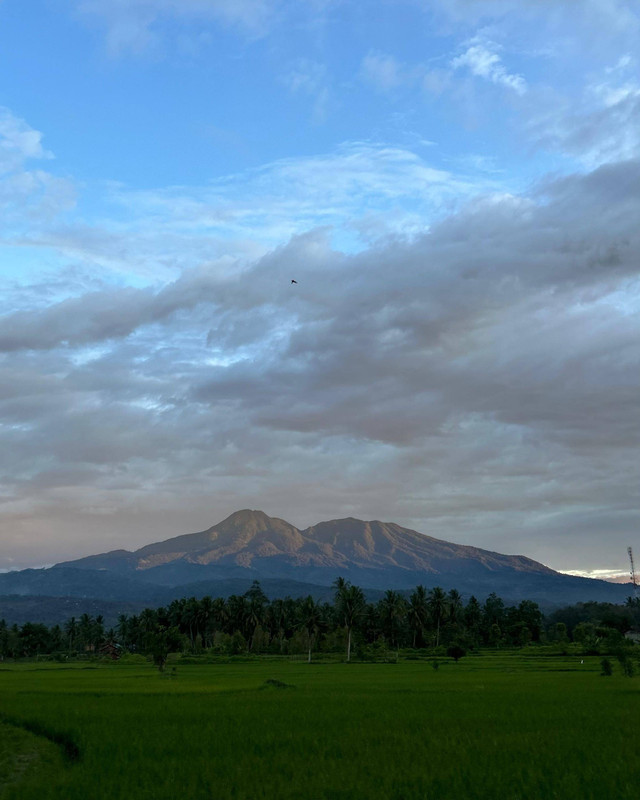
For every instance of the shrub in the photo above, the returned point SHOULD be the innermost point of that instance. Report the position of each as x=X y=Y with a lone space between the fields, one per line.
x=606 y=667
x=628 y=667
x=456 y=652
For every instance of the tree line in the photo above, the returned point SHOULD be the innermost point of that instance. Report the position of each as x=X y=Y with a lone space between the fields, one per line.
x=251 y=623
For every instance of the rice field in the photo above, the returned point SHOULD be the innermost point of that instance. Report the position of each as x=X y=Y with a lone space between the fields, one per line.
x=492 y=726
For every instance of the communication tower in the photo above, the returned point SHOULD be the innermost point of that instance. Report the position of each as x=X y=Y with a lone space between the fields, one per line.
x=633 y=573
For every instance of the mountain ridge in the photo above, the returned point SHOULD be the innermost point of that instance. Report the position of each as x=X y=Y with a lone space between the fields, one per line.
x=249 y=545
x=251 y=539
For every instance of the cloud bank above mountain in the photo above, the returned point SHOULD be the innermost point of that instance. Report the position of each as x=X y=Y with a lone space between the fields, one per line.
x=459 y=354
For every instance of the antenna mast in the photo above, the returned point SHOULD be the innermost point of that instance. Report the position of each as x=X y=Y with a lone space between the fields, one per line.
x=633 y=573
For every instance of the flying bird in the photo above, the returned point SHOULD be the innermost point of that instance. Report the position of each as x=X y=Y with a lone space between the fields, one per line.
x=292 y=281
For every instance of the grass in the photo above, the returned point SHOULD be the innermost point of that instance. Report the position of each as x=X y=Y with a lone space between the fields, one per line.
x=24 y=754
x=498 y=726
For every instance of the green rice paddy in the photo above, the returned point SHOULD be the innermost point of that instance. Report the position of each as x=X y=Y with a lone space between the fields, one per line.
x=505 y=727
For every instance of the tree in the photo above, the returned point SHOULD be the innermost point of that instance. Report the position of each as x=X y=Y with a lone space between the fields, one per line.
x=495 y=635
x=473 y=619
x=418 y=613
x=311 y=619
x=97 y=632
x=237 y=614
x=350 y=604
x=191 y=621
x=454 y=600
x=257 y=600
x=71 y=629
x=392 y=615
x=456 y=652
x=280 y=620
x=160 y=643
x=529 y=613
x=560 y=632
x=493 y=613
x=437 y=608
x=85 y=631
x=4 y=639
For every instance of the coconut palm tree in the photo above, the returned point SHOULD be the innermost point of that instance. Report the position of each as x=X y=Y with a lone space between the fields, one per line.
x=393 y=611
x=418 y=613
x=437 y=608
x=311 y=618
x=71 y=629
x=257 y=601
x=350 y=605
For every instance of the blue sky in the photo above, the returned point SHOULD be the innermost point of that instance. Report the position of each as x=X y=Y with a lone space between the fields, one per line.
x=453 y=184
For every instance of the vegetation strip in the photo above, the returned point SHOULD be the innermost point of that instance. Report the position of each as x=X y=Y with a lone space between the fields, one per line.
x=424 y=622
x=64 y=740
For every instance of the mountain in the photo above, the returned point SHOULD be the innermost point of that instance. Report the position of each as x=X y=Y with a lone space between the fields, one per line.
x=250 y=545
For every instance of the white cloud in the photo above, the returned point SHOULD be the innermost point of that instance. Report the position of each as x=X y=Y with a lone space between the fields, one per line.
x=18 y=142
x=482 y=60
x=310 y=78
x=240 y=217
x=28 y=197
x=382 y=70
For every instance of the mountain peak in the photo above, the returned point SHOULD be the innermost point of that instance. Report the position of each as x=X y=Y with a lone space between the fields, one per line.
x=245 y=516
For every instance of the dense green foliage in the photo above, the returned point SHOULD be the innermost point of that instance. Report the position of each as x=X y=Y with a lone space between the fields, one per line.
x=495 y=725
x=250 y=623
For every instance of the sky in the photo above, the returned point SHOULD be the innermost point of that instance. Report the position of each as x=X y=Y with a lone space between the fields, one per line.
x=453 y=184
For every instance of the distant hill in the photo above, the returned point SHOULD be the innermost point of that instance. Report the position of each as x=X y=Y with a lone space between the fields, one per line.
x=21 y=608
x=250 y=545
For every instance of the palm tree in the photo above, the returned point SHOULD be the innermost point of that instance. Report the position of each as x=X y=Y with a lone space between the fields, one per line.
x=418 y=613
x=122 y=629
x=71 y=629
x=191 y=620
x=278 y=619
x=392 y=613
x=147 y=620
x=238 y=614
x=207 y=616
x=255 y=616
x=97 y=631
x=311 y=619
x=473 y=618
x=85 y=626
x=437 y=608
x=175 y=612
x=350 y=605
x=455 y=606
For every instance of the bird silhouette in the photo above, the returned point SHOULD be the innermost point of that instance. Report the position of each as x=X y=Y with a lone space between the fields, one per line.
x=292 y=281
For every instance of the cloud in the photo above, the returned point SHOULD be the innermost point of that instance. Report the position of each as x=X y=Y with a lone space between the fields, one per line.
x=482 y=61
x=605 y=125
x=362 y=190
x=599 y=21
x=456 y=356
x=310 y=78
x=382 y=70
x=18 y=142
x=476 y=382
x=136 y=25
x=27 y=195
x=103 y=315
